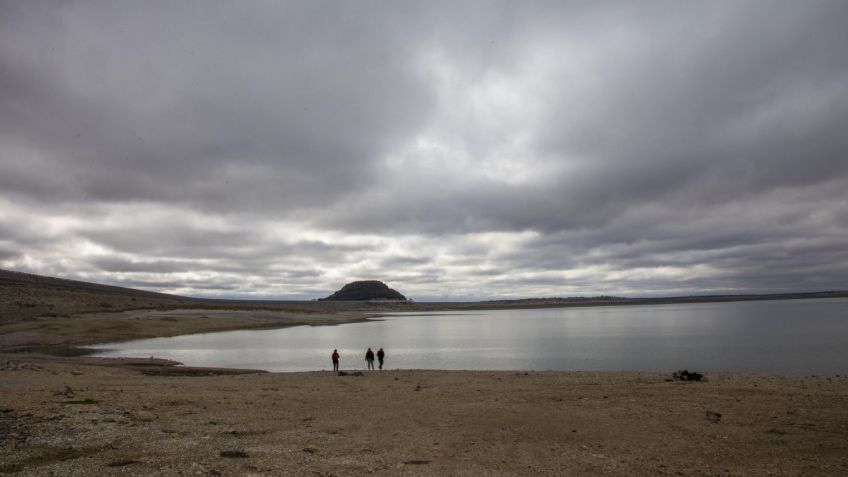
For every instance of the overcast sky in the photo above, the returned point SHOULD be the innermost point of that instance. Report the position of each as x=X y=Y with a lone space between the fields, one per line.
x=454 y=150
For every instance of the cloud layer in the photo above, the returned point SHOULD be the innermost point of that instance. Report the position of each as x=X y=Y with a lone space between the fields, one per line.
x=456 y=151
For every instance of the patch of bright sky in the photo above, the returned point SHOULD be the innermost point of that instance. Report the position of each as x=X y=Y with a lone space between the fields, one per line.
x=483 y=125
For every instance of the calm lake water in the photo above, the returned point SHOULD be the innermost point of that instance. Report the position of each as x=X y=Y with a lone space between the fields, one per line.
x=783 y=337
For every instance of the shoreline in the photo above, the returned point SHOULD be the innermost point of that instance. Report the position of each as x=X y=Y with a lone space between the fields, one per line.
x=57 y=316
x=75 y=417
x=85 y=415
x=67 y=336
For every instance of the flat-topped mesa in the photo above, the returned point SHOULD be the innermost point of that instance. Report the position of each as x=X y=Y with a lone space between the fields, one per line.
x=366 y=290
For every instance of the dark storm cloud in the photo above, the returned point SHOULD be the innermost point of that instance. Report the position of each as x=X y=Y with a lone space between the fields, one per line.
x=711 y=119
x=460 y=149
x=683 y=105
x=214 y=106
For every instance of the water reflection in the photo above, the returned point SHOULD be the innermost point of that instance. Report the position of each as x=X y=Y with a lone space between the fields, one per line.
x=795 y=336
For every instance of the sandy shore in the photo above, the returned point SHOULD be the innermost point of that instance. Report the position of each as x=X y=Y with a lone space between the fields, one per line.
x=90 y=416
x=85 y=416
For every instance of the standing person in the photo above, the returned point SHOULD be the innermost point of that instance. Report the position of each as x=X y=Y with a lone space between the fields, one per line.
x=369 y=358
x=335 y=358
x=380 y=355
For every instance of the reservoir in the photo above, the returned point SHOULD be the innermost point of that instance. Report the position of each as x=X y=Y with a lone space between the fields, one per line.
x=793 y=337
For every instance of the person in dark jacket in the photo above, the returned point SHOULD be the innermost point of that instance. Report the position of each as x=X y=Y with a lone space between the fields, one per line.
x=369 y=358
x=335 y=358
x=380 y=356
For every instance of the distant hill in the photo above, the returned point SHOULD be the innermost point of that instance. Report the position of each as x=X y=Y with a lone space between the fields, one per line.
x=366 y=290
x=26 y=296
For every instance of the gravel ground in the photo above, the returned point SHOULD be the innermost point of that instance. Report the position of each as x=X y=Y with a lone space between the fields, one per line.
x=133 y=417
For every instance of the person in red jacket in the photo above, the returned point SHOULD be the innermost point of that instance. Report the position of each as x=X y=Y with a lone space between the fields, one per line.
x=335 y=358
